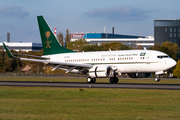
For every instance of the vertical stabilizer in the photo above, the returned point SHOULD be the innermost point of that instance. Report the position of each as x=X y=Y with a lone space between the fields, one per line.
x=49 y=41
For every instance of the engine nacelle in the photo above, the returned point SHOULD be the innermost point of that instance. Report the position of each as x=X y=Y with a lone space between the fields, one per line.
x=139 y=75
x=101 y=72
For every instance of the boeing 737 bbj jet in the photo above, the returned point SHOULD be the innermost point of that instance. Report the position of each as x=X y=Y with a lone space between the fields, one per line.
x=103 y=64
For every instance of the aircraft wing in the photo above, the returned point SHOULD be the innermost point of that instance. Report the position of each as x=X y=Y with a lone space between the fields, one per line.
x=68 y=67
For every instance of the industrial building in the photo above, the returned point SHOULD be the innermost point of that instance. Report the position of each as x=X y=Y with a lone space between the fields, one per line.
x=167 y=30
x=129 y=40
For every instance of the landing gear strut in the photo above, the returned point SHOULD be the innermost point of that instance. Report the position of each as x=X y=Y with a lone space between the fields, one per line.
x=91 y=80
x=157 y=78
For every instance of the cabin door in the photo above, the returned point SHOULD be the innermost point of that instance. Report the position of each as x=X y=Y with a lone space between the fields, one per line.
x=148 y=58
x=59 y=59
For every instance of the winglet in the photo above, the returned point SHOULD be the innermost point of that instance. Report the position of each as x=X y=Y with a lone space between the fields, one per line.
x=8 y=52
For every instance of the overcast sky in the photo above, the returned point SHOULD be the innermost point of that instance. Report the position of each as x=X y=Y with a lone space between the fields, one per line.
x=132 y=17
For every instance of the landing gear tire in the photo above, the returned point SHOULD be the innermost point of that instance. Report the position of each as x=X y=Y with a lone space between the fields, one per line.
x=113 y=80
x=157 y=79
x=91 y=80
x=94 y=80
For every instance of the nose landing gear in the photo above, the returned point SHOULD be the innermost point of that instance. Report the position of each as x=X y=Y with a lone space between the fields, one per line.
x=157 y=78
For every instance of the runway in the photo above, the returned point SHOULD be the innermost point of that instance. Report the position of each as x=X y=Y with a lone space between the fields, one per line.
x=93 y=85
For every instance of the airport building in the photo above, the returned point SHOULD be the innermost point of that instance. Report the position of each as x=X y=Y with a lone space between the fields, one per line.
x=129 y=40
x=23 y=46
x=167 y=30
x=17 y=46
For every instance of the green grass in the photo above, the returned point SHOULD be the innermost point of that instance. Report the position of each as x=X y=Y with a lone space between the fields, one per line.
x=88 y=103
x=99 y=80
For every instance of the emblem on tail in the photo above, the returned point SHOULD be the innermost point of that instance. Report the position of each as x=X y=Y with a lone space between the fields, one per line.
x=48 y=34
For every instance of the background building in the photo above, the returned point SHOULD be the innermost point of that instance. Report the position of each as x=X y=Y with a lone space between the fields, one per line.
x=129 y=40
x=167 y=30
x=92 y=38
x=29 y=46
x=23 y=46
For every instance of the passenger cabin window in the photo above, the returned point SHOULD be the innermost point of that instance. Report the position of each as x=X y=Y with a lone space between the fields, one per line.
x=163 y=56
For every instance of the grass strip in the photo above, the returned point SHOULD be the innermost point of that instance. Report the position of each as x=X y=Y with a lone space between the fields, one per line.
x=88 y=103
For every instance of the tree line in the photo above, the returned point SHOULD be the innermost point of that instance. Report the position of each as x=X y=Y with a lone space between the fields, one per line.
x=81 y=45
x=64 y=41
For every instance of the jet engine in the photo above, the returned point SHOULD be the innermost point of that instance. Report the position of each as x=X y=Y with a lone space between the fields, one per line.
x=101 y=72
x=139 y=75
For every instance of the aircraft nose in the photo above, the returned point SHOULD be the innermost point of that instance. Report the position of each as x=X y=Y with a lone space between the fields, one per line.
x=173 y=62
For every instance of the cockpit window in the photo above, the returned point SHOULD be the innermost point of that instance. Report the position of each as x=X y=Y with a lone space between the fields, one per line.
x=162 y=56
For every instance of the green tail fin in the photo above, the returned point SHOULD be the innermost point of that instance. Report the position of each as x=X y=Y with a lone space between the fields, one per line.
x=49 y=41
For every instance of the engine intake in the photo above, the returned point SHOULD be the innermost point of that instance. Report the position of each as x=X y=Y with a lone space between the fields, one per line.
x=101 y=71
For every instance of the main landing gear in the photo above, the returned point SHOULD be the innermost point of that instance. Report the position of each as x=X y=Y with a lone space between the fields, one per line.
x=91 y=80
x=113 y=80
x=157 y=78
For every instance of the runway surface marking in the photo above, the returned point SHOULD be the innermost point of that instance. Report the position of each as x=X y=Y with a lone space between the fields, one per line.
x=96 y=85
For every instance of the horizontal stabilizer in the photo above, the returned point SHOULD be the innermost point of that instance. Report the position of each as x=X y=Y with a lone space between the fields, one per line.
x=8 y=52
x=39 y=57
x=13 y=55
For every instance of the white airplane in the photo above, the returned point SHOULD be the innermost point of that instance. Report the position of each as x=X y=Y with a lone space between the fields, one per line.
x=103 y=64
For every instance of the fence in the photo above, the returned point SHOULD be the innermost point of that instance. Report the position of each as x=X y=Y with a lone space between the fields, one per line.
x=41 y=75
x=20 y=74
